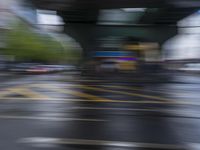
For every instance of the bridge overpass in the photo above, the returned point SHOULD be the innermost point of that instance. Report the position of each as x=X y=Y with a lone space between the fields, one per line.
x=82 y=18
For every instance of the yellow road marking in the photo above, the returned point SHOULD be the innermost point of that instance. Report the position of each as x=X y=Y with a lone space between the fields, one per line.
x=85 y=95
x=84 y=80
x=77 y=93
x=31 y=95
x=108 y=86
x=139 y=89
x=81 y=94
x=106 y=90
x=123 y=92
x=24 y=91
x=86 y=100
x=64 y=100
x=5 y=93
x=123 y=87
x=133 y=88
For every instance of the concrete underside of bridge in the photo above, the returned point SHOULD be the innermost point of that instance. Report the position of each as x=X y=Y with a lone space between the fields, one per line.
x=81 y=19
x=88 y=35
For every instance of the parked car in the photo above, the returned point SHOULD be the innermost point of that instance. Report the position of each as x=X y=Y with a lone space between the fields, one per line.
x=21 y=67
x=50 y=68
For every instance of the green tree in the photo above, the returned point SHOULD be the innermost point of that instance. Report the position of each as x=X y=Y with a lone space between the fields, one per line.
x=28 y=45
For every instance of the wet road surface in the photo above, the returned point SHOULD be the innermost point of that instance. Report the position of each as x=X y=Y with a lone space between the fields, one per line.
x=67 y=111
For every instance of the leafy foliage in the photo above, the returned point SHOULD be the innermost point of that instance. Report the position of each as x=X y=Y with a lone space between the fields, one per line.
x=28 y=45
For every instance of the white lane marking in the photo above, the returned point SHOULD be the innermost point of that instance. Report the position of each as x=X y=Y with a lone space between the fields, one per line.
x=62 y=119
x=35 y=141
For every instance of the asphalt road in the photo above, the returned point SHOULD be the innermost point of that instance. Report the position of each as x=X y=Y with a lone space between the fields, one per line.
x=73 y=112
